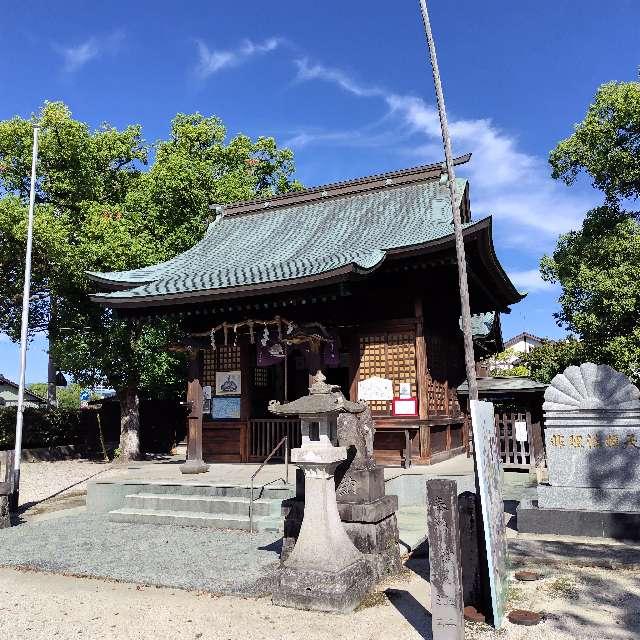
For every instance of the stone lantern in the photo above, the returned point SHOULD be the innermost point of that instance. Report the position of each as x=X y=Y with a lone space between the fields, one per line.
x=325 y=571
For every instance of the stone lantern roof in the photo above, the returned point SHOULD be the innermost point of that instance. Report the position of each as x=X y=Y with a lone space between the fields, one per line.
x=323 y=398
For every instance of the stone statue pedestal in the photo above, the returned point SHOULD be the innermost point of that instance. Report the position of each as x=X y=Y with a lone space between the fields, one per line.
x=324 y=571
x=592 y=436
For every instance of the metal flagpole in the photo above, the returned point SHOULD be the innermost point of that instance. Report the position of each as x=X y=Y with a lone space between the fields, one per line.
x=25 y=325
x=457 y=223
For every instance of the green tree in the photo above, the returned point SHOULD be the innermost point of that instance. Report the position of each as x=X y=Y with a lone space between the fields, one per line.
x=507 y=363
x=552 y=357
x=606 y=144
x=98 y=209
x=67 y=397
x=598 y=268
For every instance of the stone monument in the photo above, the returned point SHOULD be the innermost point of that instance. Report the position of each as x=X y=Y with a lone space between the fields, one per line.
x=324 y=571
x=445 y=563
x=592 y=435
x=367 y=514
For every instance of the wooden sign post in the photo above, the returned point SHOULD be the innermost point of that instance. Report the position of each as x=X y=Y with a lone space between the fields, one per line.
x=488 y=466
x=6 y=487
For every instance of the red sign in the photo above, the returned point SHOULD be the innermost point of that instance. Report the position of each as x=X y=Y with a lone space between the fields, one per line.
x=405 y=407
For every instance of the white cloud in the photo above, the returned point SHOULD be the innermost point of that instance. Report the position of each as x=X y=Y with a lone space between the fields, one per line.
x=530 y=280
x=210 y=62
x=513 y=186
x=74 y=58
x=307 y=71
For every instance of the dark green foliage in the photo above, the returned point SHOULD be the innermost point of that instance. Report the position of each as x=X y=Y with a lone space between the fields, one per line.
x=552 y=357
x=42 y=428
x=598 y=268
x=606 y=144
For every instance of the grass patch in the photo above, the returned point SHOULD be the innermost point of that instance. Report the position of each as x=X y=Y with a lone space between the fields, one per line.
x=515 y=596
x=562 y=587
x=375 y=599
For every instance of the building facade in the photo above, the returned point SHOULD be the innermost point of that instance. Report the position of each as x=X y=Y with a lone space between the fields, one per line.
x=357 y=279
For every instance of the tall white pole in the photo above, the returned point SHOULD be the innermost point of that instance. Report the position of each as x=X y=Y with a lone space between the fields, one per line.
x=457 y=222
x=25 y=323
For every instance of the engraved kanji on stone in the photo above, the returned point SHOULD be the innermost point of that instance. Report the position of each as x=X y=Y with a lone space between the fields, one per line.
x=612 y=440
x=594 y=441
x=557 y=440
x=631 y=441
x=575 y=441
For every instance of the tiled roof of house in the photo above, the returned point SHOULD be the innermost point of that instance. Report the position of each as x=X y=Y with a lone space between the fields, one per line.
x=521 y=336
x=10 y=383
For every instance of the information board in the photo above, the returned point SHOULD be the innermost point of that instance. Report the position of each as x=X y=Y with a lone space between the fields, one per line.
x=375 y=388
x=489 y=468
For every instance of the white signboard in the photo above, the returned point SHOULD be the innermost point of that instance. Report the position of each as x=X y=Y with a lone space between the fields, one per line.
x=405 y=390
x=489 y=465
x=375 y=389
x=206 y=392
x=521 y=430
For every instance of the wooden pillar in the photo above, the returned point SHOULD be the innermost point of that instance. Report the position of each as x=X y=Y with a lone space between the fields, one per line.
x=421 y=361
x=354 y=366
x=194 y=463
x=315 y=361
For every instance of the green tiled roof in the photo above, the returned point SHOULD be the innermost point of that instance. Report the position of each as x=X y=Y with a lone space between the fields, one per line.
x=278 y=243
x=504 y=385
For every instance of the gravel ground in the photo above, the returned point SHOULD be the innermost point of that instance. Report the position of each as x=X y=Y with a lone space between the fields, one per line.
x=43 y=480
x=42 y=606
x=184 y=557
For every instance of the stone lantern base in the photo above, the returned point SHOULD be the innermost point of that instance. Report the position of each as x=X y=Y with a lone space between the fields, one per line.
x=324 y=571
x=340 y=591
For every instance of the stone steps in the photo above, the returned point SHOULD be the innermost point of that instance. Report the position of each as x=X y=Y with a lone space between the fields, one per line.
x=194 y=519
x=269 y=492
x=201 y=504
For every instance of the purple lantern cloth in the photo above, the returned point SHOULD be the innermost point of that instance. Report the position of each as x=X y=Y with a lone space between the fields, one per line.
x=331 y=355
x=270 y=353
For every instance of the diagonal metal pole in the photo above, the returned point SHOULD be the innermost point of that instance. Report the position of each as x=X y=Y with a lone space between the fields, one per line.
x=25 y=326
x=469 y=358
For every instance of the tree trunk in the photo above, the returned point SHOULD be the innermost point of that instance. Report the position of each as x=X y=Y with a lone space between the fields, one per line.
x=129 y=424
x=52 y=399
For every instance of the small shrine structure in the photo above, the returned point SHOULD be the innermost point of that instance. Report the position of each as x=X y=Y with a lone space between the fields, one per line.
x=357 y=279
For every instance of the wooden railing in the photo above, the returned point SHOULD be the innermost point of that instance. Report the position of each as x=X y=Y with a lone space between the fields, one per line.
x=265 y=433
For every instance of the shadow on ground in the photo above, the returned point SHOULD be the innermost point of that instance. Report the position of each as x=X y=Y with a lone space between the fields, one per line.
x=411 y=610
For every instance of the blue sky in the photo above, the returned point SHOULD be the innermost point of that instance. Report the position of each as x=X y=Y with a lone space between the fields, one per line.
x=347 y=85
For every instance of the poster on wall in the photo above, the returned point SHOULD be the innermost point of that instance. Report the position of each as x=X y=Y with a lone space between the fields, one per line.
x=228 y=383
x=405 y=390
x=375 y=388
x=225 y=408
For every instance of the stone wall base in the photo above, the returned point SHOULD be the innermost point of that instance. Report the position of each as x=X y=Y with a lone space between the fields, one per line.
x=589 y=498
x=575 y=522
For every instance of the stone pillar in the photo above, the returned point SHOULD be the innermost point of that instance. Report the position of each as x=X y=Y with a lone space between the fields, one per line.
x=194 y=463
x=324 y=572
x=468 y=511
x=444 y=560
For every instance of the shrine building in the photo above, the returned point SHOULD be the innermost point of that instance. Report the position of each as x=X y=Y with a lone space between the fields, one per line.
x=356 y=278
